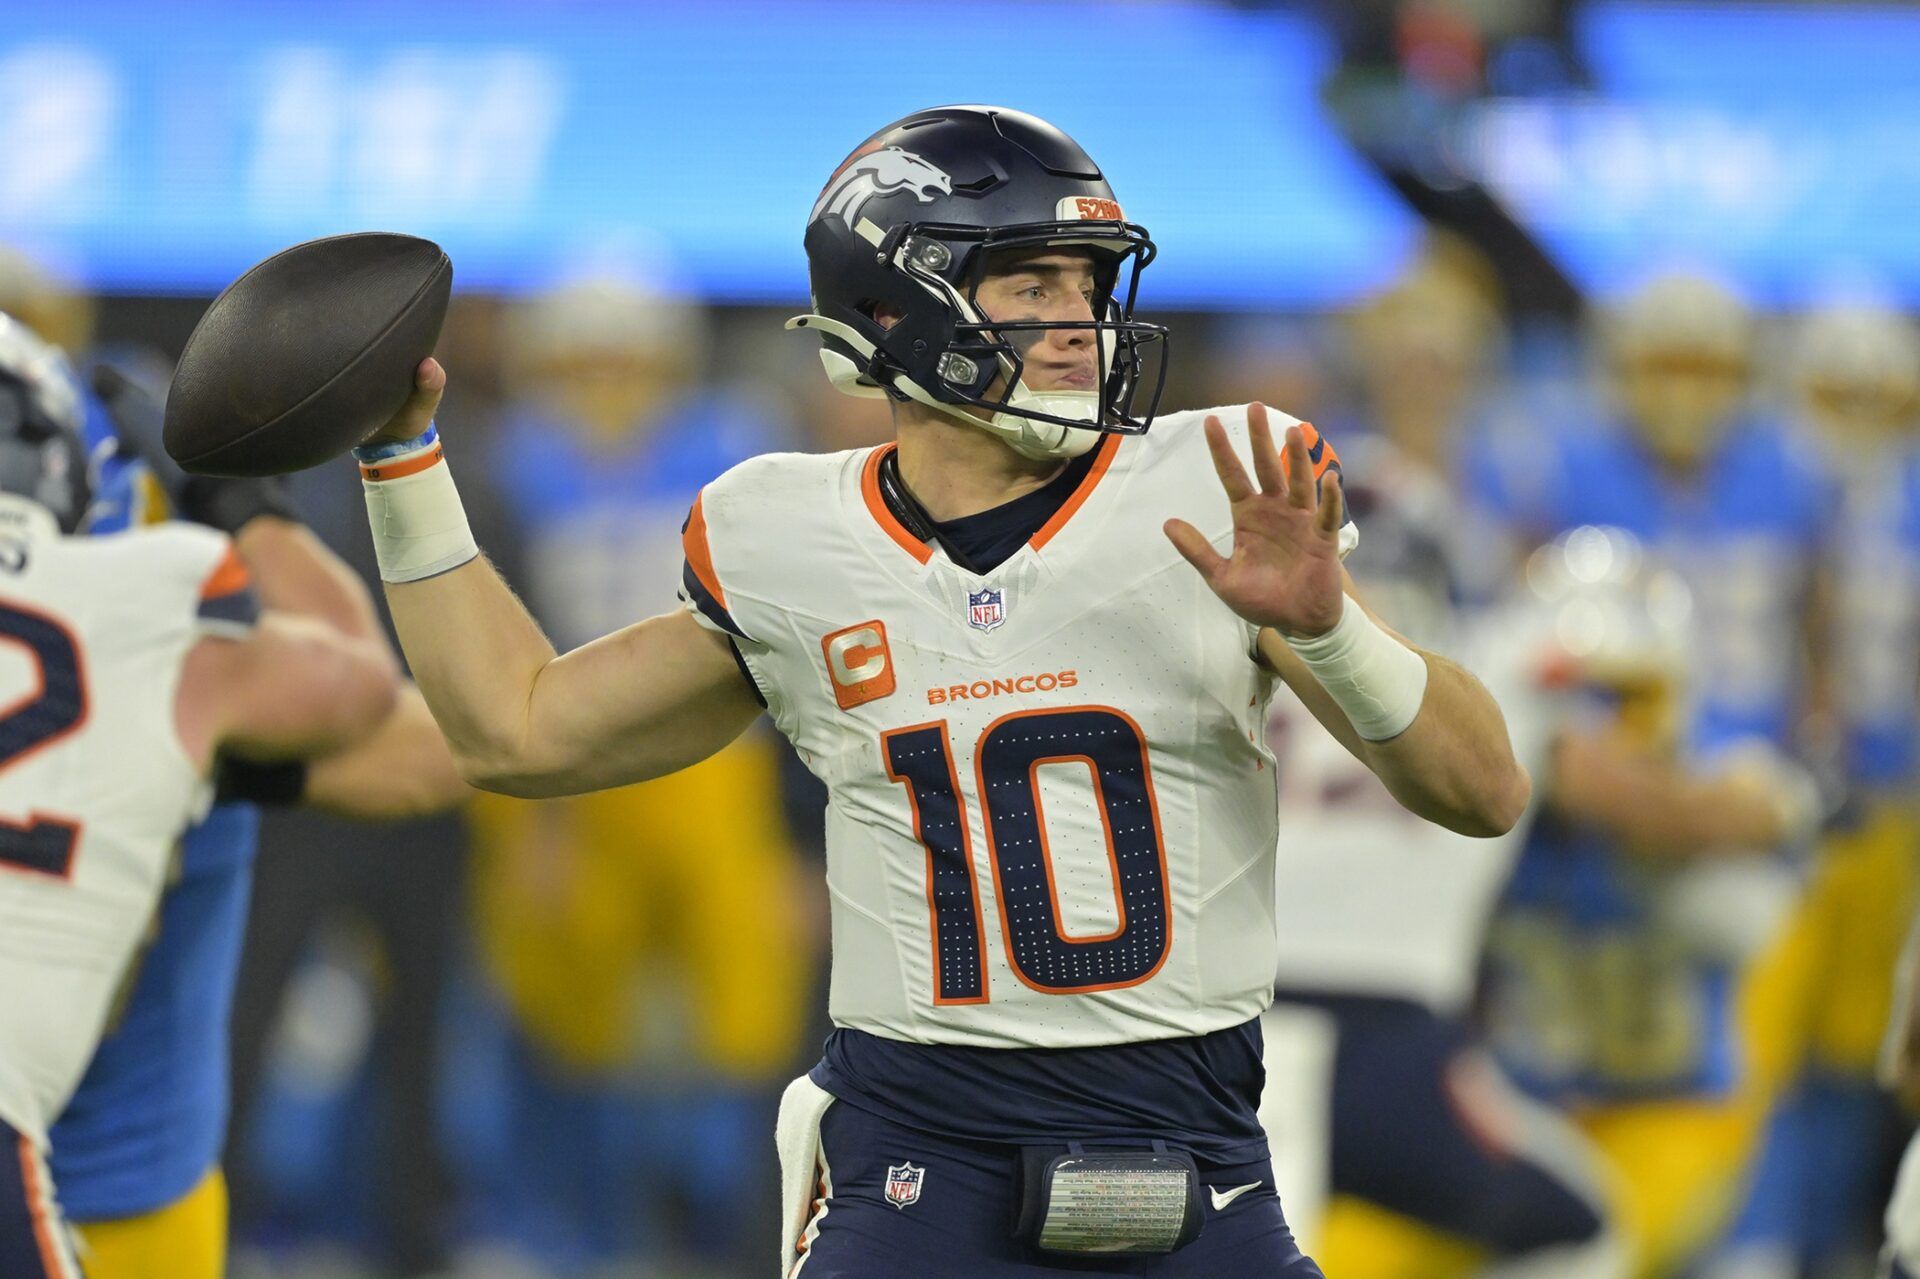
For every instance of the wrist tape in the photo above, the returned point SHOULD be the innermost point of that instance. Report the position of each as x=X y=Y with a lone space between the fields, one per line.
x=419 y=526
x=1378 y=681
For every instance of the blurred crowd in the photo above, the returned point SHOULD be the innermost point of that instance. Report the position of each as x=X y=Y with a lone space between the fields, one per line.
x=545 y=1038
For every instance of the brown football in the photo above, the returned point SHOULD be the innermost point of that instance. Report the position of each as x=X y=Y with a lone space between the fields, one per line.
x=307 y=354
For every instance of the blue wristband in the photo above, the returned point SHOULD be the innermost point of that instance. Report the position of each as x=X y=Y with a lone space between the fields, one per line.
x=381 y=452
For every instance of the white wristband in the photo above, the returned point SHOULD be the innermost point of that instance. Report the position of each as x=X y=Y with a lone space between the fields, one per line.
x=419 y=526
x=1378 y=681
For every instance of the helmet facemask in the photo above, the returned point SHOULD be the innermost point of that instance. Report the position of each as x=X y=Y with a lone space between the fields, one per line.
x=971 y=368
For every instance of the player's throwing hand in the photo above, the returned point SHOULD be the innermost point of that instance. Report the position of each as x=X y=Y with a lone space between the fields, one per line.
x=1284 y=571
x=416 y=415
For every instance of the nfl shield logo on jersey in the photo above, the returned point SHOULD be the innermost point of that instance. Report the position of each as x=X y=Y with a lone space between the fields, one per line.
x=903 y=1184
x=986 y=609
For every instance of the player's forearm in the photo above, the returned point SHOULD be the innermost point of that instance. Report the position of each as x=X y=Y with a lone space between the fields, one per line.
x=404 y=769
x=1453 y=764
x=295 y=688
x=475 y=653
x=1656 y=807
x=294 y=571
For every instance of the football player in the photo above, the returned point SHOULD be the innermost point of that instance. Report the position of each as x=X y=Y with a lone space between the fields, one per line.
x=1678 y=451
x=1029 y=648
x=136 y=1152
x=1616 y=984
x=1428 y=1153
x=133 y=660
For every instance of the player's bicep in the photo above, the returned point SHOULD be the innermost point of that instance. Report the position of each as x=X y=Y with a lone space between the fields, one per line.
x=642 y=702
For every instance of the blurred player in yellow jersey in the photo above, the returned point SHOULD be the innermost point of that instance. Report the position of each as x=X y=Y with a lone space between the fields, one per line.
x=654 y=922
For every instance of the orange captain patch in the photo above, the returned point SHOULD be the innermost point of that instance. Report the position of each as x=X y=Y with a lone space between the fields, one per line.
x=859 y=663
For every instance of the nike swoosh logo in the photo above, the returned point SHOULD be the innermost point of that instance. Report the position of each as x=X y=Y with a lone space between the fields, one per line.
x=1220 y=1200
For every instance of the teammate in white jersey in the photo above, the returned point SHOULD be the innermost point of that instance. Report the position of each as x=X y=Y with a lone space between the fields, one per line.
x=1051 y=816
x=1433 y=1163
x=128 y=660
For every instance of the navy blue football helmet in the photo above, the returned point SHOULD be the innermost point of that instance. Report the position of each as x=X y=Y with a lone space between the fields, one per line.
x=907 y=223
x=43 y=452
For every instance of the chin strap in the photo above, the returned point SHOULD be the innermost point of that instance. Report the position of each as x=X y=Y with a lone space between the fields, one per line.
x=1048 y=439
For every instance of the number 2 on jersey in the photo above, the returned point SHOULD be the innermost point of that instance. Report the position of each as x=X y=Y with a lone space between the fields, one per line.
x=1007 y=761
x=56 y=706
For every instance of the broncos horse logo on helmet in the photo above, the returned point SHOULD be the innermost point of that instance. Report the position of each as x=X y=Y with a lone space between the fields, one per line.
x=865 y=175
x=910 y=231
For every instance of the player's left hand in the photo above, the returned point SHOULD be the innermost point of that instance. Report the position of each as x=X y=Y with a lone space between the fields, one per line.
x=1284 y=571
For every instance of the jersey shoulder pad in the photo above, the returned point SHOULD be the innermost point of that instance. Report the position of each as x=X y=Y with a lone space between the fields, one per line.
x=756 y=528
x=188 y=567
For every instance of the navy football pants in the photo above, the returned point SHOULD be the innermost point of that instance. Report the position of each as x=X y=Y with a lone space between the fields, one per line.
x=1406 y=1135
x=961 y=1224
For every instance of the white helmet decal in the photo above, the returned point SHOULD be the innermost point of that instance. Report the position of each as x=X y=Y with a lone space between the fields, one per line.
x=879 y=173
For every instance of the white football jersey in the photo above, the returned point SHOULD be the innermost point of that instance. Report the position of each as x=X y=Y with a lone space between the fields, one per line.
x=1372 y=900
x=1051 y=803
x=95 y=785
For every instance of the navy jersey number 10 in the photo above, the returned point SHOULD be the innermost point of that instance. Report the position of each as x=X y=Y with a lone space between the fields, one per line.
x=1043 y=953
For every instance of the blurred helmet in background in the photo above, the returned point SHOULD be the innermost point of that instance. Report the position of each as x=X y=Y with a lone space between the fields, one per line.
x=906 y=224
x=1680 y=352
x=1419 y=347
x=1612 y=621
x=43 y=453
x=1856 y=372
x=602 y=353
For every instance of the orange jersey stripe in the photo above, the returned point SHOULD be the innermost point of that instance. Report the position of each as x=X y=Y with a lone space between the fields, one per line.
x=693 y=541
x=229 y=576
x=877 y=506
x=50 y=1253
x=1102 y=460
